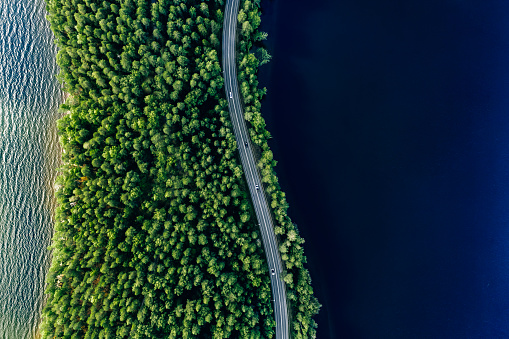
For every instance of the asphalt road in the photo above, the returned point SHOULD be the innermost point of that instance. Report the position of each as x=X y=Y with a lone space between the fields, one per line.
x=252 y=176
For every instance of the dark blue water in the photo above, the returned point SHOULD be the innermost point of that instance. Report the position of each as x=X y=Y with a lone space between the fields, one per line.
x=391 y=127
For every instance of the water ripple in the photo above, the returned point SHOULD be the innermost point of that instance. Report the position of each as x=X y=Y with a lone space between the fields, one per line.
x=29 y=154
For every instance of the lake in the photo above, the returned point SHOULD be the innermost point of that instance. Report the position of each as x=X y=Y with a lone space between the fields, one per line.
x=390 y=125
x=29 y=157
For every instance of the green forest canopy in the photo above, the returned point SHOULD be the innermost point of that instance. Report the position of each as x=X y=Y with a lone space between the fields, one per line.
x=155 y=235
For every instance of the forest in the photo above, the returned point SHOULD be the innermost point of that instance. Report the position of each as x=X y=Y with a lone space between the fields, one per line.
x=155 y=234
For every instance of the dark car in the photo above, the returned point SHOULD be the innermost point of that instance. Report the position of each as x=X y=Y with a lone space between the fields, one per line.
x=257 y=187
x=246 y=143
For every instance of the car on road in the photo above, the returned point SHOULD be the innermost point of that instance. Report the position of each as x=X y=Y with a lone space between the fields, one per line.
x=272 y=271
x=231 y=95
x=246 y=144
x=257 y=187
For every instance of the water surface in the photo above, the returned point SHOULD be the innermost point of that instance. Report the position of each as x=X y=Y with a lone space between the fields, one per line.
x=391 y=127
x=29 y=99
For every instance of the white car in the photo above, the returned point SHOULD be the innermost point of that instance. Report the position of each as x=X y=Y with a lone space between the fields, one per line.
x=231 y=95
x=272 y=271
x=257 y=187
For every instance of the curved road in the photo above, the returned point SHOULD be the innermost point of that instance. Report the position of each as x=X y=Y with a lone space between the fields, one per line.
x=252 y=176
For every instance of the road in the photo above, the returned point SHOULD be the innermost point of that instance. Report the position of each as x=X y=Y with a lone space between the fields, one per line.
x=251 y=172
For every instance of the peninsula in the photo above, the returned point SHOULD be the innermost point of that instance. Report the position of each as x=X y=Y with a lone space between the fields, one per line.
x=156 y=233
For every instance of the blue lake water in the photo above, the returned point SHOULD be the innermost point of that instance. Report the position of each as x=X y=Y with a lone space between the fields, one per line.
x=391 y=130
x=29 y=156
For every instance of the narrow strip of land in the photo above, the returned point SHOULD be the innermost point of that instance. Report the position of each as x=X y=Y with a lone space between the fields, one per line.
x=252 y=176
